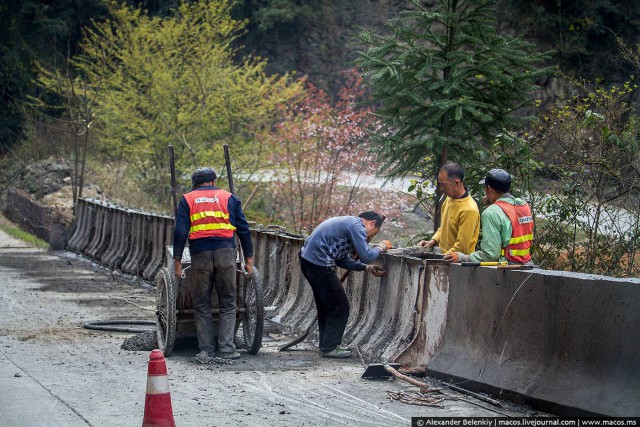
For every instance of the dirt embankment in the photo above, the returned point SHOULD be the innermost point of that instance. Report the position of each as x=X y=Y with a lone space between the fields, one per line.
x=48 y=181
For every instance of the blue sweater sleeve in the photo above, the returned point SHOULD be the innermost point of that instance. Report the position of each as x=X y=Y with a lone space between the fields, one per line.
x=349 y=263
x=358 y=237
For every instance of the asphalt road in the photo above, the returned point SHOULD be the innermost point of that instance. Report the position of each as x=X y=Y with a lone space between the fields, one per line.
x=54 y=372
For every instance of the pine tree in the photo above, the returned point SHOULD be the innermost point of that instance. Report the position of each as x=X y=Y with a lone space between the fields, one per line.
x=445 y=83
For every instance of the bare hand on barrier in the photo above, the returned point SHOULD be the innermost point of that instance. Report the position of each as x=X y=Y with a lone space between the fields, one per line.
x=427 y=243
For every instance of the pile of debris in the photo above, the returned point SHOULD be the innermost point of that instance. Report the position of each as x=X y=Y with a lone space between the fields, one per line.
x=144 y=341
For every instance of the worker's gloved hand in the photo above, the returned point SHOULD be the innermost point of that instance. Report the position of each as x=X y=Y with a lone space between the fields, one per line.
x=427 y=243
x=456 y=257
x=376 y=270
x=384 y=246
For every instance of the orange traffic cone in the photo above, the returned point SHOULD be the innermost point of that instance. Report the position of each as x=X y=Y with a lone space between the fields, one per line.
x=157 y=403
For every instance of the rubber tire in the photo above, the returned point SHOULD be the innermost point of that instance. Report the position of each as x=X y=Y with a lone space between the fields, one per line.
x=165 y=310
x=253 y=319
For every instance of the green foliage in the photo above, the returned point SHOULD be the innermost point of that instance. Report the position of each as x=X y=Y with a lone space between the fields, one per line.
x=592 y=218
x=445 y=84
x=630 y=54
x=23 y=235
x=275 y=15
x=582 y=33
x=30 y=31
x=175 y=80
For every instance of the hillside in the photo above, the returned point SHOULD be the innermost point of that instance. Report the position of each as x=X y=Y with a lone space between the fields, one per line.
x=318 y=38
x=311 y=38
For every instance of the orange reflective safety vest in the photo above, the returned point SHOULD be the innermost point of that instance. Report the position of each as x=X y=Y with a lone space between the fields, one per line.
x=519 y=248
x=209 y=214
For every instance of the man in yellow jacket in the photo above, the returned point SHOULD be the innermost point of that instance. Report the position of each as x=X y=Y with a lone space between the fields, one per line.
x=460 y=217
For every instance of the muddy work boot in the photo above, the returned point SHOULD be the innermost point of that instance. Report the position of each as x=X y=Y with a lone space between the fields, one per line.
x=338 y=347
x=232 y=355
x=204 y=358
x=337 y=353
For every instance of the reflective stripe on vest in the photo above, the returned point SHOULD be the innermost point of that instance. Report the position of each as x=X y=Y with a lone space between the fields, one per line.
x=519 y=248
x=201 y=215
x=209 y=211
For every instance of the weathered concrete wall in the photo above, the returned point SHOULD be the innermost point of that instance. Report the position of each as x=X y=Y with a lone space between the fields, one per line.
x=568 y=343
x=389 y=317
x=45 y=222
x=120 y=238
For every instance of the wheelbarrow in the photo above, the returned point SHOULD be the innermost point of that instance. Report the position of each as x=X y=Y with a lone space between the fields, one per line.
x=174 y=304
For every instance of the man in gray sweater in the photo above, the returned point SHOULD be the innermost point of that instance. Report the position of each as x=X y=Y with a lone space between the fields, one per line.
x=329 y=245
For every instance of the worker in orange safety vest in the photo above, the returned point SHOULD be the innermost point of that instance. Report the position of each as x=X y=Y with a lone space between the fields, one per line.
x=208 y=216
x=507 y=224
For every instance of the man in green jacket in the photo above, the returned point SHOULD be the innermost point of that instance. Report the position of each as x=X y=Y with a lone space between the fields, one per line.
x=507 y=224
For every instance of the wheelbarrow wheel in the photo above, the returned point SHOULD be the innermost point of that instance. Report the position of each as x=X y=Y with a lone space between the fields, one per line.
x=253 y=320
x=166 y=310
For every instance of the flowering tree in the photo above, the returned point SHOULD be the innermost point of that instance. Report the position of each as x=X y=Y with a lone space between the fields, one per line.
x=321 y=159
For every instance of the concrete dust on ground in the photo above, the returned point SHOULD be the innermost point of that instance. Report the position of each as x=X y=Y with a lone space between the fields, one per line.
x=84 y=377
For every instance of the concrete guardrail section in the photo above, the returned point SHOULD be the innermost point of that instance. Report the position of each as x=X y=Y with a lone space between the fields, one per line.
x=566 y=343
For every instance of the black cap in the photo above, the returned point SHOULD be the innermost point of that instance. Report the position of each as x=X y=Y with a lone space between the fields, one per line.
x=498 y=179
x=202 y=175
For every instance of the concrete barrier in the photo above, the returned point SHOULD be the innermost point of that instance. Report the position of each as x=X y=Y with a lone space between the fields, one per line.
x=102 y=226
x=388 y=314
x=78 y=226
x=135 y=244
x=123 y=240
x=112 y=256
x=564 y=343
x=84 y=231
x=159 y=227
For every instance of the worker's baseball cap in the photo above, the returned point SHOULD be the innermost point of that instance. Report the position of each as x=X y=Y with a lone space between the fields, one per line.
x=498 y=179
x=202 y=175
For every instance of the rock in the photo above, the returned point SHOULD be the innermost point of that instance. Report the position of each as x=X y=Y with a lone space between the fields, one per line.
x=58 y=236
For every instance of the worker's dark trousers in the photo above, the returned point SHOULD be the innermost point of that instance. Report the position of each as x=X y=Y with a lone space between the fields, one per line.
x=214 y=270
x=331 y=302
